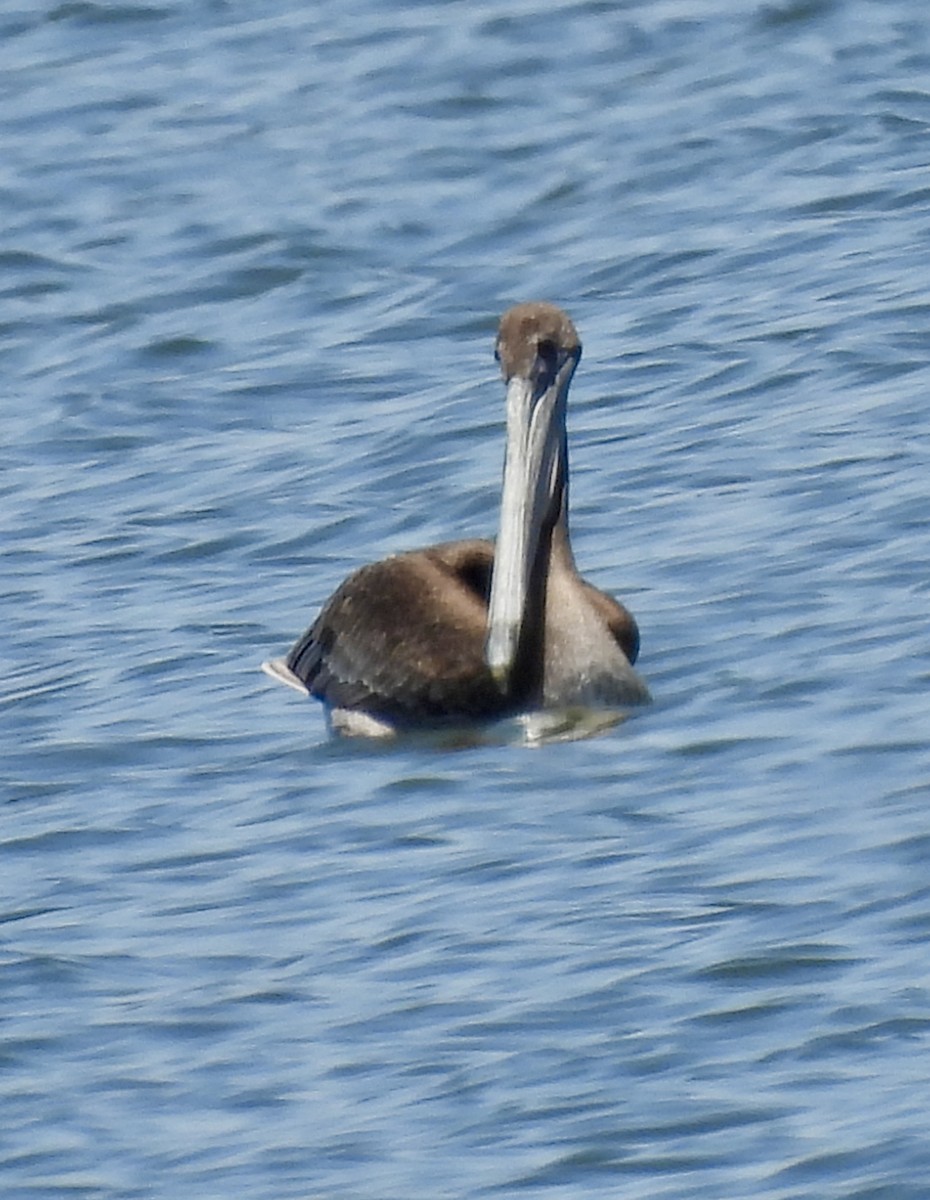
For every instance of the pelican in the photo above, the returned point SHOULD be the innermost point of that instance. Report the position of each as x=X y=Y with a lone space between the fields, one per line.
x=461 y=631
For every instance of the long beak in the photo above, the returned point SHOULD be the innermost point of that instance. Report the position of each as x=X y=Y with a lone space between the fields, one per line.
x=535 y=435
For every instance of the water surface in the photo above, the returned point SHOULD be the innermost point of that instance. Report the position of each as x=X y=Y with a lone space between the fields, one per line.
x=251 y=270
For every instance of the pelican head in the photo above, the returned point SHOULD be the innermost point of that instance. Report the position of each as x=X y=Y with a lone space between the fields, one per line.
x=538 y=349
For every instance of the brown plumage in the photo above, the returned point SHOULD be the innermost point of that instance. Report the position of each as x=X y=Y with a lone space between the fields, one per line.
x=446 y=634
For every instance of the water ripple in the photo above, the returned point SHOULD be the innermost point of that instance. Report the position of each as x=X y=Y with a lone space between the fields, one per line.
x=250 y=276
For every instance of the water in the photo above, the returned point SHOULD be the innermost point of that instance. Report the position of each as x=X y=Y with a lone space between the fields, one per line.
x=251 y=269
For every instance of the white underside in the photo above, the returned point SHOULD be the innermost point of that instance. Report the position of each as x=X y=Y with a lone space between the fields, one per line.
x=526 y=729
x=566 y=723
x=349 y=722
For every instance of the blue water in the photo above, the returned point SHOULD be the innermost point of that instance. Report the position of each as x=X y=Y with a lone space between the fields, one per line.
x=251 y=265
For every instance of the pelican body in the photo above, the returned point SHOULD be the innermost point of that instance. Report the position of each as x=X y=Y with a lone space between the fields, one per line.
x=466 y=631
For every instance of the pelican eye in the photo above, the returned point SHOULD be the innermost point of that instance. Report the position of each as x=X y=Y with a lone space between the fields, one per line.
x=548 y=359
x=547 y=351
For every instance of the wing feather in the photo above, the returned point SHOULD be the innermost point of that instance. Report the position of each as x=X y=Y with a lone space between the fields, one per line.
x=404 y=638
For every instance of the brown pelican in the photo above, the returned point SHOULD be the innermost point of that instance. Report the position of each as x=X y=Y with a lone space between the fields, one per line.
x=461 y=631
